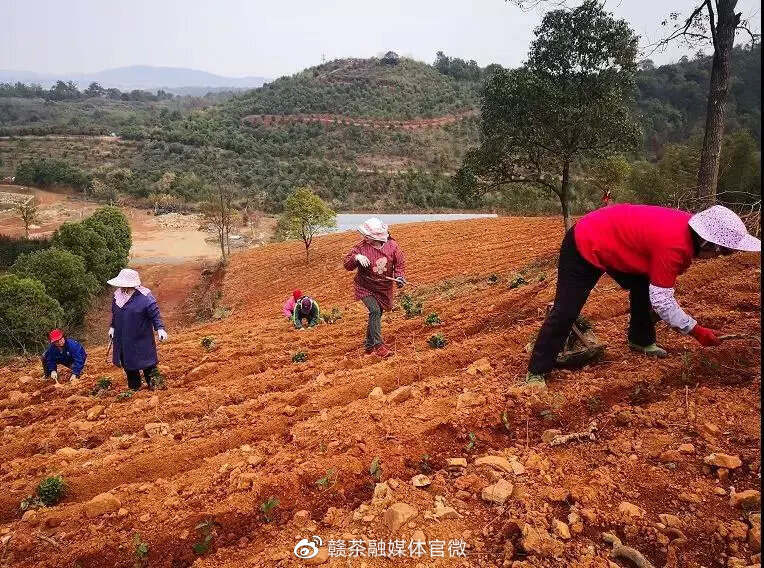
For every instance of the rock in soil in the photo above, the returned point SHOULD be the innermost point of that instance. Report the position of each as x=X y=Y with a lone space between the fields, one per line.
x=398 y=514
x=723 y=460
x=101 y=504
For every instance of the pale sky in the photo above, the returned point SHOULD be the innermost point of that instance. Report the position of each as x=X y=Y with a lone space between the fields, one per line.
x=270 y=39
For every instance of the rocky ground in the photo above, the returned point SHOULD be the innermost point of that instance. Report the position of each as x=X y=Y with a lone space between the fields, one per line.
x=440 y=454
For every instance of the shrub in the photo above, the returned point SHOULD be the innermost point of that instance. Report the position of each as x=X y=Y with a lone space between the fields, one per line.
x=11 y=248
x=27 y=313
x=45 y=172
x=437 y=341
x=114 y=218
x=64 y=277
x=86 y=242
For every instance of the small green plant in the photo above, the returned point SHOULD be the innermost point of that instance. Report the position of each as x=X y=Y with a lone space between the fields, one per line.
x=517 y=281
x=375 y=469
x=141 y=551
x=333 y=316
x=437 y=341
x=493 y=278
x=424 y=464
x=471 y=444
x=48 y=493
x=221 y=312
x=594 y=403
x=208 y=343
x=267 y=506
x=103 y=385
x=327 y=480
x=542 y=277
x=299 y=357
x=125 y=395
x=206 y=530
x=411 y=305
x=157 y=380
x=433 y=319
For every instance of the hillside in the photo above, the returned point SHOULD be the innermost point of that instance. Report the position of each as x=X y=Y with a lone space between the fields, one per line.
x=242 y=423
x=363 y=133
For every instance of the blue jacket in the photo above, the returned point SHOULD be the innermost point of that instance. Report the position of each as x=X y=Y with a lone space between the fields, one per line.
x=134 y=325
x=72 y=355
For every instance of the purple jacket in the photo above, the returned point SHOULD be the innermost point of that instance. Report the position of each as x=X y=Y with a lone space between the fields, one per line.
x=134 y=325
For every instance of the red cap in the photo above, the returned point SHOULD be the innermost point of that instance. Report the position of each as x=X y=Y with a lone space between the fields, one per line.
x=297 y=294
x=55 y=335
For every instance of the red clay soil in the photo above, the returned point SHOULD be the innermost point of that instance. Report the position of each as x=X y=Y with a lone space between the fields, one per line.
x=277 y=119
x=245 y=423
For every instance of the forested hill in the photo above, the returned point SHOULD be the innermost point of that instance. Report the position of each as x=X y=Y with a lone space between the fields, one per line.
x=672 y=98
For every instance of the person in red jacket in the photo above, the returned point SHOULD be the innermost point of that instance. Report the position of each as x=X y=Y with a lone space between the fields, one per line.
x=643 y=248
x=380 y=263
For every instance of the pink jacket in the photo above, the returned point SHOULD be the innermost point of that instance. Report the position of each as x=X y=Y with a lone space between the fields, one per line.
x=289 y=307
x=387 y=261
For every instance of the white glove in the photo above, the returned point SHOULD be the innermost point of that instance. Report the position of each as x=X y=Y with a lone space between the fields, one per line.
x=54 y=375
x=362 y=260
x=162 y=335
x=111 y=333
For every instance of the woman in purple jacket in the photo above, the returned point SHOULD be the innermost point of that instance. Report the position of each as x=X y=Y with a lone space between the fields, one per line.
x=134 y=318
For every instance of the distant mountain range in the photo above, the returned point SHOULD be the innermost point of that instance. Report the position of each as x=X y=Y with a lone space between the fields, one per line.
x=174 y=79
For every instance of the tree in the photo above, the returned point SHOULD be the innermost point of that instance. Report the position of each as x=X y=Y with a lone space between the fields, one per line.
x=571 y=101
x=715 y=21
x=28 y=213
x=86 y=242
x=305 y=214
x=27 y=313
x=94 y=90
x=218 y=211
x=64 y=277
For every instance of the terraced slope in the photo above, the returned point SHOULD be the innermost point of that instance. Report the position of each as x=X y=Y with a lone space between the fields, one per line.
x=244 y=423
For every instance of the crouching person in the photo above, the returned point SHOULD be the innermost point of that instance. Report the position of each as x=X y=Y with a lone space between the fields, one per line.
x=134 y=318
x=63 y=351
x=306 y=309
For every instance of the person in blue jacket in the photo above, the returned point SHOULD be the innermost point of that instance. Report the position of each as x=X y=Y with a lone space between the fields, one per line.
x=63 y=351
x=134 y=318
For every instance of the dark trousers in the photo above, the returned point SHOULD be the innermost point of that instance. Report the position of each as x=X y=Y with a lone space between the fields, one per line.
x=575 y=279
x=134 y=377
x=374 y=327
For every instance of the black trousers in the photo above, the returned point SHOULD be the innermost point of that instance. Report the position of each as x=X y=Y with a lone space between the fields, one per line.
x=134 y=377
x=575 y=279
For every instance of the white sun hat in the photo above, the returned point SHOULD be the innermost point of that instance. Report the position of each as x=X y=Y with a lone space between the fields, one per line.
x=126 y=278
x=374 y=229
x=723 y=227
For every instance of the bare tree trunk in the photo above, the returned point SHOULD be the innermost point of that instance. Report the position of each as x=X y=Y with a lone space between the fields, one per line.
x=724 y=38
x=565 y=196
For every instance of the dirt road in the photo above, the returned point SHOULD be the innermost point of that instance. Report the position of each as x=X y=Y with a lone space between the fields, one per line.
x=244 y=424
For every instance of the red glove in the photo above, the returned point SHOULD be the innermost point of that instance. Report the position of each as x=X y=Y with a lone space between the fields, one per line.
x=706 y=337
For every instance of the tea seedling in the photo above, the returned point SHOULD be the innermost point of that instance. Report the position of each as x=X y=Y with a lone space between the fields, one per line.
x=208 y=343
x=267 y=506
x=493 y=278
x=424 y=464
x=206 y=530
x=333 y=316
x=471 y=444
x=593 y=403
x=299 y=357
x=411 y=305
x=103 y=384
x=125 y=395
x=437 y=341
x=327 y=480
x=375 y=469
x=48 y=492
x=433 y=319
x=157 y=380
x=517 y=281
x=141 y=552
x=505 y=421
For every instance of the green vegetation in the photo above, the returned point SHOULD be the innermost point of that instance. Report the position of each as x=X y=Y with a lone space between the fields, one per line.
x=42 y=172
x=27 y=314
x=437 y=341
x=334 y=315
x=375 y=469
x=208 y=343
x=267 y=506
x=125 y=395
x=411 y=306
x=157 y=380
x=327 y=480
x=300 y=357
x=432 y=319
x=424 y=464
x=11 y=248
x=305 y=215
x=48 y=493
x=101 y=387
x=140 y=551
x=470 y=446
x=207 y=533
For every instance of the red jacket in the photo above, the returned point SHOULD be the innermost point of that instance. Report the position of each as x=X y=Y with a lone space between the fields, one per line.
x=637 y=239
x=371 y=281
